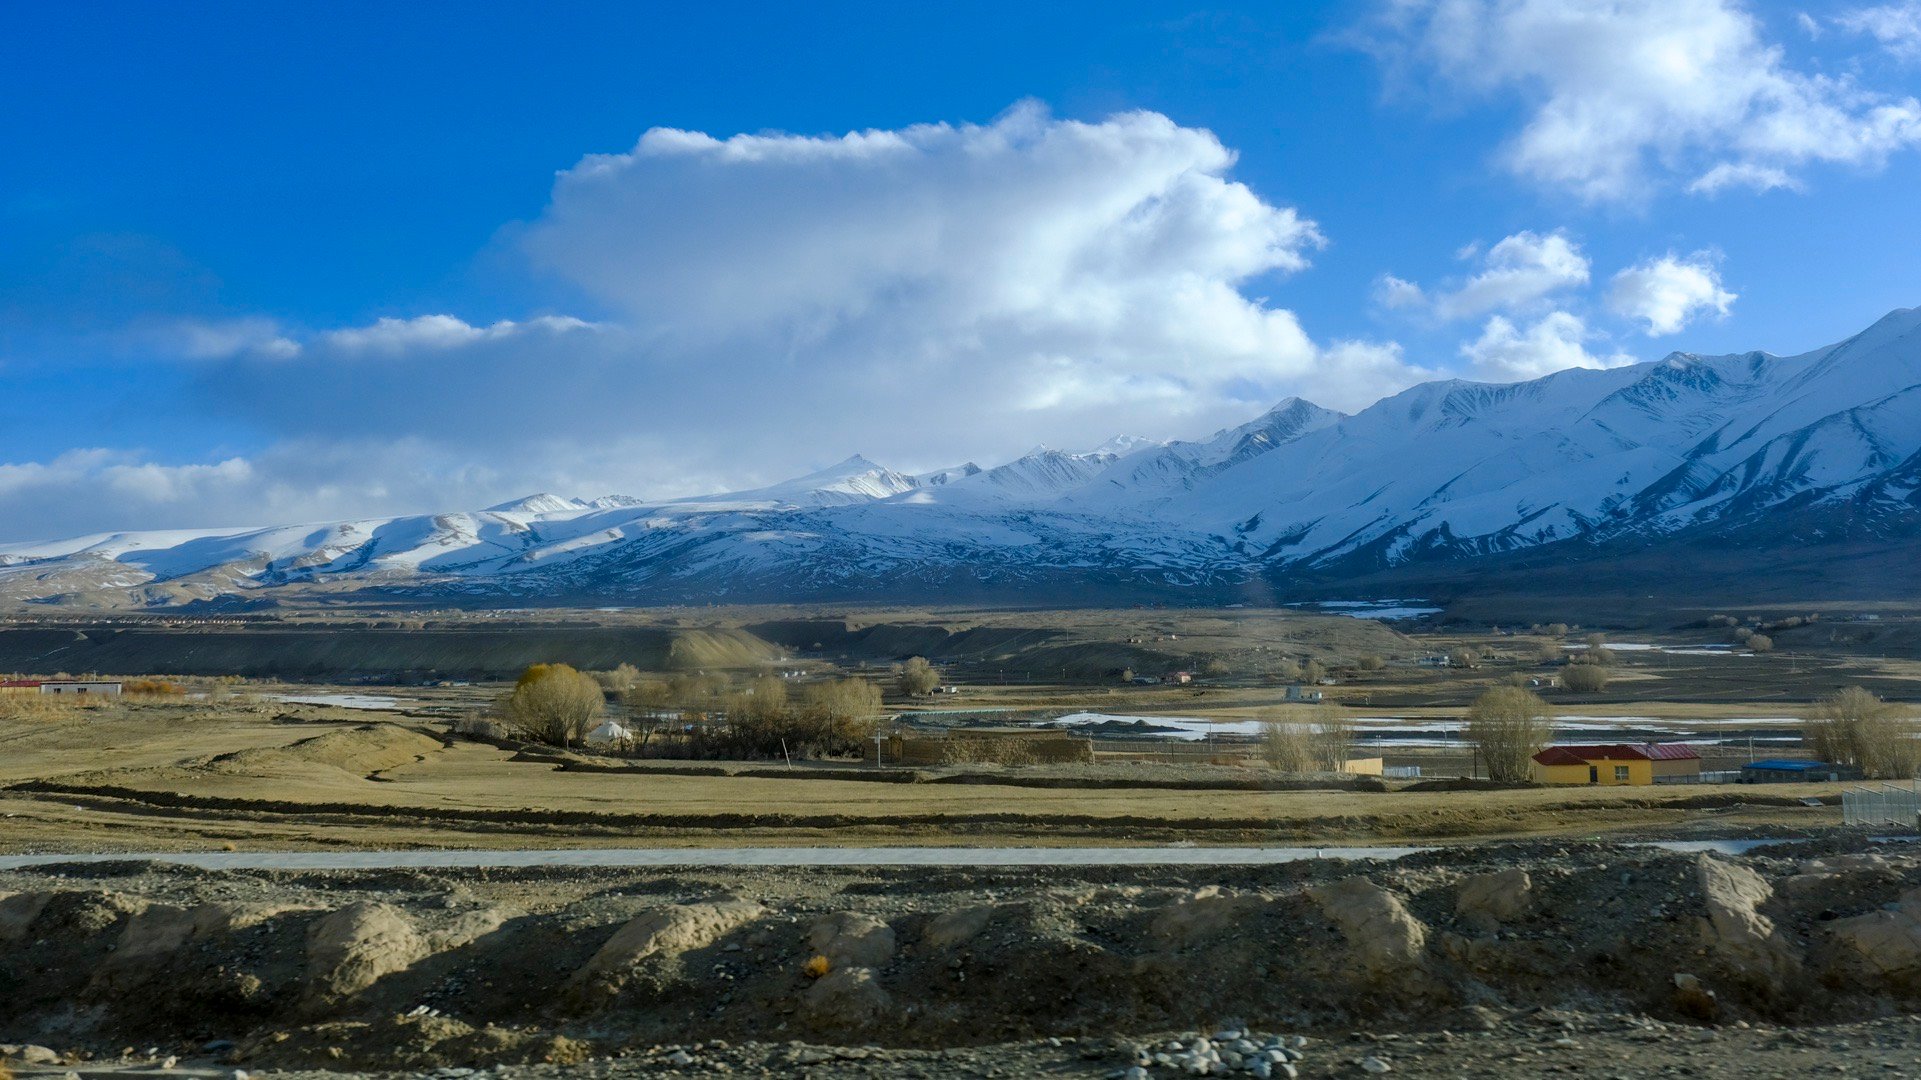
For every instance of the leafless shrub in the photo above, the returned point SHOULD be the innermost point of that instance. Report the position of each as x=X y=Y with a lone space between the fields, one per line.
x=1853 y=727
x=553 y=703
x=1585 y=678
x=918 y=677
x=1508 y=726
x=1308 y=740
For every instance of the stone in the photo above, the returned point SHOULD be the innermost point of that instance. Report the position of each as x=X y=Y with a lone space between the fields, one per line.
x=847 y=998
x=1736 y=929
x=1387 y=939
x=851 y=939
x=659 y=935
x=17 y=913
x=1492 y=899
x=1375 y=1065
x=31 y=1054
x=1883 y=945
x=351 y=949
x=951 y=928
x=1693 y=999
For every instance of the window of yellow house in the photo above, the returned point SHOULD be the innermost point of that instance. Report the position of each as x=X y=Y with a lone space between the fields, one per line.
x=1620 y=772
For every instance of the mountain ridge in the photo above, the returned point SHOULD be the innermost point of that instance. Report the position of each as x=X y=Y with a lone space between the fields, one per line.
x=1687 y=449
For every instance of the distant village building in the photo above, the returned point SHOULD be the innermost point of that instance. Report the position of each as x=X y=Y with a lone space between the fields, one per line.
x=101 y=687
x=1180 y=678
x=1792 y=771
x=1305 y=694
x=609 y=733
x=1623 y=764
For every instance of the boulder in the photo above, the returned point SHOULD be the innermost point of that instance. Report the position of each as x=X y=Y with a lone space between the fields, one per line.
x=1882 y=945
x=849 y=939
x=1386 y=938
x=847 y=998
x=1487 y=900
x=154 y=934
x=1736 y=930
x=353 y=948
x=17 y=913
x=957 y=927
x=659 y=935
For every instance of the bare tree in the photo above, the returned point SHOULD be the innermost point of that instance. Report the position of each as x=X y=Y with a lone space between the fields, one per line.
x=1853 y=727
x=619 y=680
x=1333 y=738
x=1508 y=726
x=553 y=703
x=1586 y=678
x=918 y=677
x=1304 y=740
x=1285 y=745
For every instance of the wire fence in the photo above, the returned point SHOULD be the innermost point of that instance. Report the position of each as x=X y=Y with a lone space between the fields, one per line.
x=1887 y=806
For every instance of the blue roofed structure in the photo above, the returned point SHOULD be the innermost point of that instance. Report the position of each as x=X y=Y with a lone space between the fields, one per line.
x=1796 y=771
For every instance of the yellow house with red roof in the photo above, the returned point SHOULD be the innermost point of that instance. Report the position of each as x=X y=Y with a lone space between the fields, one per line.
x=1617 y=764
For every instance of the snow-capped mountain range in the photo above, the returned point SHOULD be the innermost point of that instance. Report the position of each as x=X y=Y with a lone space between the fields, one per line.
x=1808 y=449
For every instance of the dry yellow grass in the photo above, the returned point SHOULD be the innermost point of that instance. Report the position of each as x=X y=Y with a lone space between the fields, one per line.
x=169 y=778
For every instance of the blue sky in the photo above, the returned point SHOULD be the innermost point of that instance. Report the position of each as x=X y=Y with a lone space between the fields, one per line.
x=260 y=263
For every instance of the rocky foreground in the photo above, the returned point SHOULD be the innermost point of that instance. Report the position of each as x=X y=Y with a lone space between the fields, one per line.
x=1502 y=961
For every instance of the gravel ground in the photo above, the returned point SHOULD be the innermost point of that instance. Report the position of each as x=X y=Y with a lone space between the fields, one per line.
x=1501 y=960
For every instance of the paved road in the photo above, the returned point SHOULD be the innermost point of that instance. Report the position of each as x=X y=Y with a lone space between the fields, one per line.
x=776 y=856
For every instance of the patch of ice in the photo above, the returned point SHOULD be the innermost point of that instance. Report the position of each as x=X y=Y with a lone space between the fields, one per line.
x=342 y=701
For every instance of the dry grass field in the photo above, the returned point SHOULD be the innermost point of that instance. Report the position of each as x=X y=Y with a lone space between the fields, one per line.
x=182 y=775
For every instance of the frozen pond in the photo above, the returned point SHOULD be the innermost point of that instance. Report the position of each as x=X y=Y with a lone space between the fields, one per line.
x=1668 y=650
x=1373 y=609
x=1396 y=731
x=339 y=701
x=1182 y=728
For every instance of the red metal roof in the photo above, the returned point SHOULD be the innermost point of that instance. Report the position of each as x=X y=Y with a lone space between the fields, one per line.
x=1582 y=755
x=1671 y=751
x=18 y=684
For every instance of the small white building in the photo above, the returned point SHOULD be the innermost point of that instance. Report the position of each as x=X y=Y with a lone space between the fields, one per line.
x=97 y=688
x=1305 y=694
x=608 y=733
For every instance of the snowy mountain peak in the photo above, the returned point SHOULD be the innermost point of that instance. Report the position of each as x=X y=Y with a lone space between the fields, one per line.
x=940 y=477
x=542 y=503
x=1737 y=451
x=1121 y=445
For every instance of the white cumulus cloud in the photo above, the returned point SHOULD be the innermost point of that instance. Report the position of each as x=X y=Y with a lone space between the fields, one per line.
x=1557 y=341
x=762 y=305
x=1518 y=272
x=1624 y=96
x=1665 y=294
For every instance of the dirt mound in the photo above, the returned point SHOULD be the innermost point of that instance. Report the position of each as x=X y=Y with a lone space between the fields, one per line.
x=360 y=751
x=661 y=935
x=416 y=969
x=707 y=650
x=1386 y=939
